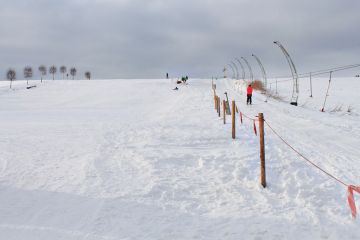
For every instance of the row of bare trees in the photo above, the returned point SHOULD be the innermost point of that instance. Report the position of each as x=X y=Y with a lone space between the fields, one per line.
x=53 y=70
x=28 y=73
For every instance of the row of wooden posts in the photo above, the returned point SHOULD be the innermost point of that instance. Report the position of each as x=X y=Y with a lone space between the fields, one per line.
x=233 y=131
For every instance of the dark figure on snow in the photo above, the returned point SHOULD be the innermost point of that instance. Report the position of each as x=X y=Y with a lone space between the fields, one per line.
x=167 y=75
x=249 y=92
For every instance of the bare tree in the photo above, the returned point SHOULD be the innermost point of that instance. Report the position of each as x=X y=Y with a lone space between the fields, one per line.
x=63 y=71
x=53 y=70
x=28 y=73
x=73 y=72
x=11 y=74
x=42 y=70
x=88 y=75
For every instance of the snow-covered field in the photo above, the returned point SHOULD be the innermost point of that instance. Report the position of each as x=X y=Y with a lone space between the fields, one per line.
x=133 y=159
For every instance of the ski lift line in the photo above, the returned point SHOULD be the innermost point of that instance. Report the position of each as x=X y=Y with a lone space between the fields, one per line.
x=321 y=72
x=305 y=158
x=318 y=73
x=280 y=81
x=331 y=69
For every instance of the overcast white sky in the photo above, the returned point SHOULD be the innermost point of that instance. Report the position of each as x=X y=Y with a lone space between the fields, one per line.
x=147 y=38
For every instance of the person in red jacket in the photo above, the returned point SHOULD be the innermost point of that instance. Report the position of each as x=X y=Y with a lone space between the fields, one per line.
x=249 y=92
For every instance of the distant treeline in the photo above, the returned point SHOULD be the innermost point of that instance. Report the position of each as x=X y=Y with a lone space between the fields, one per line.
x=43 y=70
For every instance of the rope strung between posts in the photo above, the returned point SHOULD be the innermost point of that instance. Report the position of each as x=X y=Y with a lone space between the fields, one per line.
x=246 y=116
x=305 y=158
x=251 y=119
x=350 y=188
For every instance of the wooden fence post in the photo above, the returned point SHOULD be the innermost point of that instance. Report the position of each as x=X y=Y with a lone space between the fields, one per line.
x=262 y=151
x=215 y=99
x=215 y=107
x=216 y=103
x=233 y=119
x=219 y=106
x=224 y=111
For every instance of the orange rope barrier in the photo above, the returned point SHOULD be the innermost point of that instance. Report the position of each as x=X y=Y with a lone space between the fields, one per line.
x=350 y=188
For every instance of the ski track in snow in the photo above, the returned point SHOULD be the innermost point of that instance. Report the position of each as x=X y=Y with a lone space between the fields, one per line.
x=132 y=159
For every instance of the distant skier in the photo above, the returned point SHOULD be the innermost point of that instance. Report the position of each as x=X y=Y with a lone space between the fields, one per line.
x=249 y=92
x=167 y=75
x=176 y=88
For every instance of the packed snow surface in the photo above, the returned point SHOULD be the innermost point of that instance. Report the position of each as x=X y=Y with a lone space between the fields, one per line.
x=134 y=159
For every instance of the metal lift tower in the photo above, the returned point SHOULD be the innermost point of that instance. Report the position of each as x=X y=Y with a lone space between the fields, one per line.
x=295 y=94
x=262 y=70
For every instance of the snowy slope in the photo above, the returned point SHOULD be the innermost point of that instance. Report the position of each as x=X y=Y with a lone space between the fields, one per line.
x=133 y=159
